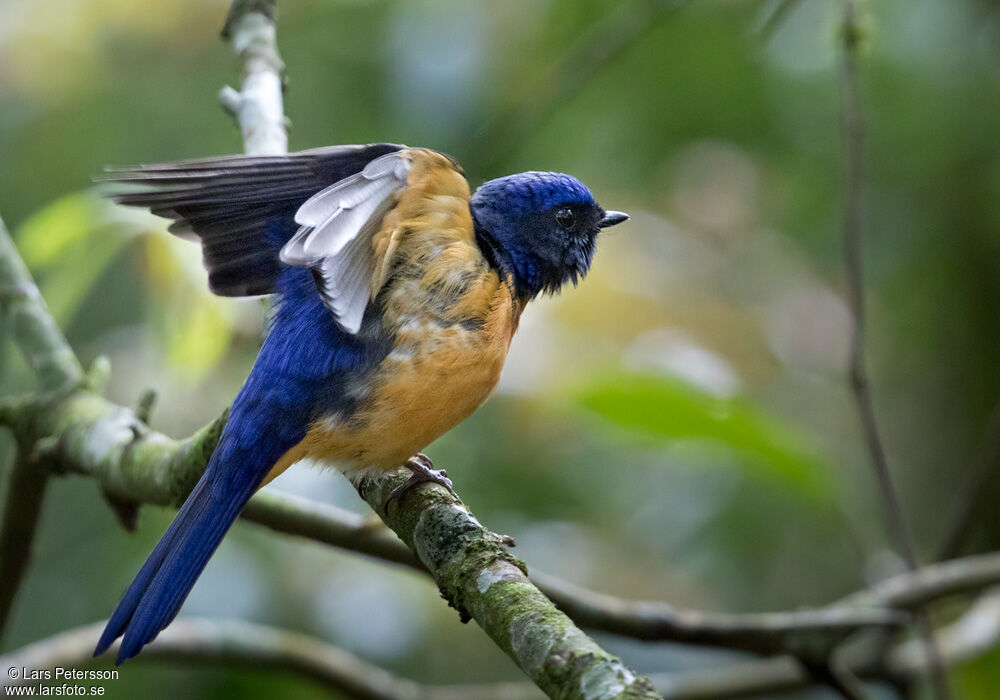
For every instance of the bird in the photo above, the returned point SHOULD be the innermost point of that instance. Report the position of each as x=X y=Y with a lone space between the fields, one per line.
x=398 y=292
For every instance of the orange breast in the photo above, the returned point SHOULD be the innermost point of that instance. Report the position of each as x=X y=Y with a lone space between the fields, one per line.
x=433 y=379
x=437 y=374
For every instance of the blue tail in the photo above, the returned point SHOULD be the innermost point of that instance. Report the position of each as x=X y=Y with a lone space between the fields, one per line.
x=304 y=359
x=267 y=419
x=156 y=594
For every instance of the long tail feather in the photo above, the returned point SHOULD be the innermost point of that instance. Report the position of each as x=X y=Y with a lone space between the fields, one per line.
x=163 y=583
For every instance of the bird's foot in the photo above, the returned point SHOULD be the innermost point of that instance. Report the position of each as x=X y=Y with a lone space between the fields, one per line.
x=422 y=471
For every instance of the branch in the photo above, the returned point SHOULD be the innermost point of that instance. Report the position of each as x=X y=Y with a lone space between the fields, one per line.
x=57 y=369
x=258 y=107
x=853 y=129
x=853 y=133
x=482 y=581
x=22 y=506
x=34 y=330
x=261 y=647
x=155 y=469
x=971 y=636
x=255 y=647
x=781 y=632
x=321 y=522
x=811 y=633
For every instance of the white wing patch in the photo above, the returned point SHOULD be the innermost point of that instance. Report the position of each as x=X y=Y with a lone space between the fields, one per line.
x=335 y=238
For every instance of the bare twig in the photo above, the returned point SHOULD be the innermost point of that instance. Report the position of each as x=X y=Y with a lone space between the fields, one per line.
x=255 y=647
x=258 y=107
x=810 y=633
x=969 y=637
x=853 y=129
x=916 y=589
x=22 y=507
x=853 y=132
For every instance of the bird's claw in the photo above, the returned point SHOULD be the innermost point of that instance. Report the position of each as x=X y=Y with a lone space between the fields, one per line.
x=422 y=471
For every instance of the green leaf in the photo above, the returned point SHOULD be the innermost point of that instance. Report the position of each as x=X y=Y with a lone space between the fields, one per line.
x=46 y=235
x=669 y=411
x=70 y=243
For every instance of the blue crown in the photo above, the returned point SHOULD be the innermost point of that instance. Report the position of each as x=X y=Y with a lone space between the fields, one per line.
x=533 y=191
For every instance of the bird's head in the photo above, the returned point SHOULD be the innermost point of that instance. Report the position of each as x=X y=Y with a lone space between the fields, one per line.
x=540 y=228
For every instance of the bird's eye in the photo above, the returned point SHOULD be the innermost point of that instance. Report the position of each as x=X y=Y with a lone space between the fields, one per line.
x=565 y=218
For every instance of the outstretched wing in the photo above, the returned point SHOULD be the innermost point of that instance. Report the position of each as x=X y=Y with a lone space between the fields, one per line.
x=337 y=226
x=241 y=208
x=322 y=209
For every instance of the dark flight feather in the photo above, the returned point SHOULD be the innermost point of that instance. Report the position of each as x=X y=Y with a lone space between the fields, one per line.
x=241 y=208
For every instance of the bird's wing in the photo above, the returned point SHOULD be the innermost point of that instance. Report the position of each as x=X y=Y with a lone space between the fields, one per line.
x=335 y=238
x=322 y=209
x=239 y=207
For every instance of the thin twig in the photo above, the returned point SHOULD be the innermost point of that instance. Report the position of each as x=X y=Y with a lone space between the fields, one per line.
x=974 y=634
x=810 y=632
x=853 y=129
x=21 y=510
x=853 y=134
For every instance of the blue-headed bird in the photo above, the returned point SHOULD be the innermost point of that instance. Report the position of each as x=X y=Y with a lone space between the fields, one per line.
x=398 y=296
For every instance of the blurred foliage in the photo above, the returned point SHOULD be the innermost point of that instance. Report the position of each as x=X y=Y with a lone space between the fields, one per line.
x=678 y=427
x=70 y=244
x=671 y=411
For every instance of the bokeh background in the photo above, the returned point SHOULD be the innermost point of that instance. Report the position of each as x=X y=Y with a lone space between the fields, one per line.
x=678 y=427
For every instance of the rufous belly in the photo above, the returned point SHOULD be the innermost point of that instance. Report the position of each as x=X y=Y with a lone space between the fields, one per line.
x=417 y=397
x=435 y=377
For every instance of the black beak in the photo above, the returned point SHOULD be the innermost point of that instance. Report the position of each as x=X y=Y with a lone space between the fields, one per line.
x=611 y=218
